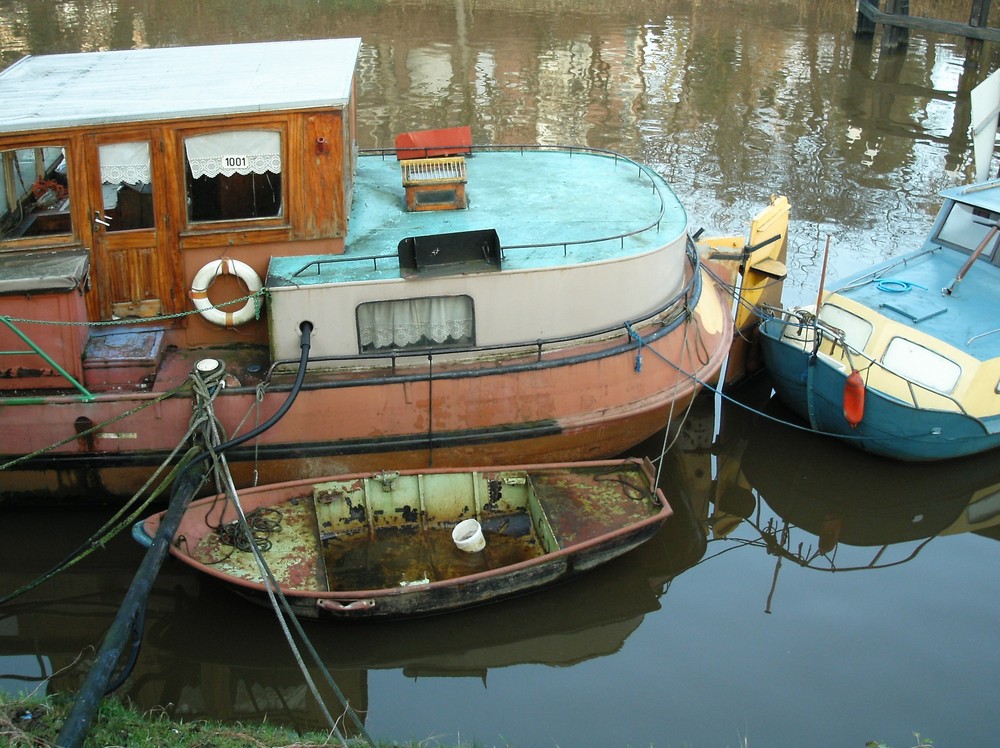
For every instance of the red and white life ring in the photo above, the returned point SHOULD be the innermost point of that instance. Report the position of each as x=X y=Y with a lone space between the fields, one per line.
x=203 y=281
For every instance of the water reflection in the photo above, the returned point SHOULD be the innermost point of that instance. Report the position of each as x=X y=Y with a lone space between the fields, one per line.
x=730 y=104
x=732 y=101
x=864 y=501
x=739 y=482
x=197 y=662
x=762 y=479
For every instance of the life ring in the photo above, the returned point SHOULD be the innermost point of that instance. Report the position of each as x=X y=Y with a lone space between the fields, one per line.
x=203 y=281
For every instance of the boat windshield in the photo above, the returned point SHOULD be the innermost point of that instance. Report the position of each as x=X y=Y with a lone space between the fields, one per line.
x=966 y=226
x=857 y=330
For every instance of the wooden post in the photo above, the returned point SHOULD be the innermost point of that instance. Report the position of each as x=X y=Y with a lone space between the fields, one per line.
x=896 y=37
x=865 y=28
x=896 y=22
x=980 y=15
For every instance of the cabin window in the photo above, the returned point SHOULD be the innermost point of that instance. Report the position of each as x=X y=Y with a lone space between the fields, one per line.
x=416 y=323
x=983 y=509
x=127 y=186
x=921 y=365
x=233 y=175
x=857 y=330
x=965 y=228
x=34 y=193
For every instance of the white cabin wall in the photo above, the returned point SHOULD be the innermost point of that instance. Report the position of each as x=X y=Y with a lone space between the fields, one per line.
x=510 y=306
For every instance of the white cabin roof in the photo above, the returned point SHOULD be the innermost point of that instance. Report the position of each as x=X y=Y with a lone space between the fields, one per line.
x=92 y=88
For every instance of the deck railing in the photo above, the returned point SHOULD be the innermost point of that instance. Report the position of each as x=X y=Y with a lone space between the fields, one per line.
x=824 y=332
x=681 y=303
x=655 y=181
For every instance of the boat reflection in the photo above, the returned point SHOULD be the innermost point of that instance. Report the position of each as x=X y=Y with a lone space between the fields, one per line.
x=843 y=497
x=207 y=653
x=759 y=480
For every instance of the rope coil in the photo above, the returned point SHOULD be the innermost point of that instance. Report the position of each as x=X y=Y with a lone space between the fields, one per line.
x=260 y=524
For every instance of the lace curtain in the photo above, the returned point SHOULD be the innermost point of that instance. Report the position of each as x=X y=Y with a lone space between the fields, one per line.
x=408 y=322
x=239 y=152
x=125 y=162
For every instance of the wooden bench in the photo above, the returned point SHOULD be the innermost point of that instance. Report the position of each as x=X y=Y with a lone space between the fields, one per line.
x=434 y=183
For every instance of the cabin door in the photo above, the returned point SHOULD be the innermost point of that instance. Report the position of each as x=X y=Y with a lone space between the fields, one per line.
x=130 y=265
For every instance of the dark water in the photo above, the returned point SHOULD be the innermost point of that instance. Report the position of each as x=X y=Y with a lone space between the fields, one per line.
x=804 y=594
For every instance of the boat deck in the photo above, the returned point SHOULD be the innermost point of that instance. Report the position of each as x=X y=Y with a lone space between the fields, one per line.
x=549 y=207
x=911 y=293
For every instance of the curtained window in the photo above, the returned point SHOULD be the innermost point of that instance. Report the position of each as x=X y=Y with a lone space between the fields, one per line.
x=416 y=323
x=126 y=163
x=234 y=175
x=127 y=186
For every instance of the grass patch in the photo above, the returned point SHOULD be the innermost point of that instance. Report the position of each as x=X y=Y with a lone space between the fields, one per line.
x=31 y=722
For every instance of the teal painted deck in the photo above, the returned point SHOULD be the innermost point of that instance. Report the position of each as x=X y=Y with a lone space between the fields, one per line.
x=970 y=311
x=561 y=198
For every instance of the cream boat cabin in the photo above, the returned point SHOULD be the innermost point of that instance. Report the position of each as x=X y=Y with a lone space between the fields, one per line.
x=467 y=304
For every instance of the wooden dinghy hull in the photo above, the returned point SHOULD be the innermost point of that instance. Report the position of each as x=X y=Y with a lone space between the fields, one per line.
x=380 y=545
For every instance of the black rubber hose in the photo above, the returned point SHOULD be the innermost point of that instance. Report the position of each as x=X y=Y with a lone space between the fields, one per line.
x=306 y=329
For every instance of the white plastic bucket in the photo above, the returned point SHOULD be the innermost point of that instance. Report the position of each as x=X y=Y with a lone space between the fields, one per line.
x=468 y=536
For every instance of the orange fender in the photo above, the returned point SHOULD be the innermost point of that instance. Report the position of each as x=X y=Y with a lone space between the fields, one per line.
x=854 y=399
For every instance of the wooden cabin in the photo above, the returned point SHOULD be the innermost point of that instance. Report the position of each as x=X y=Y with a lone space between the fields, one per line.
x=124 y=173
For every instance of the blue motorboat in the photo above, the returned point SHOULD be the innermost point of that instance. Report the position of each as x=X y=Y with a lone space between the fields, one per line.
x=903 y=359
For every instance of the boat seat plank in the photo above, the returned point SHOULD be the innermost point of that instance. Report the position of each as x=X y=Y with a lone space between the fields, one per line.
x=292 y=557
x=576 y=515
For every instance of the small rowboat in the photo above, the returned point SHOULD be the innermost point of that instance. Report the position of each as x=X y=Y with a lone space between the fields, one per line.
x=391 y=544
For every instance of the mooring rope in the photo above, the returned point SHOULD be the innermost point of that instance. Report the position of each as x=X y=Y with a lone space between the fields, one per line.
x=762 y=313
x=670 y=426
x=131 y=511
x=96 y=428
x=135 y=507
x=211 y=429
x=115 y=525
x=261 y=523
x=282 y=609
